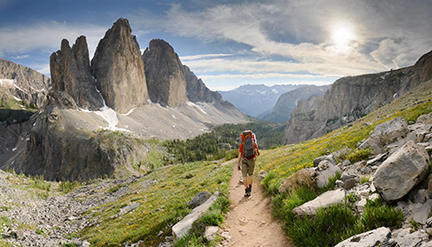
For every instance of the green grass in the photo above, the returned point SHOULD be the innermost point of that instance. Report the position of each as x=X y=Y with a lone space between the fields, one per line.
x=283 y=161
x=163 y=203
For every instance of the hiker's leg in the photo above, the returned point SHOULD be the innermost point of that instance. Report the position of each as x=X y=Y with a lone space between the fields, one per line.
x=244 y=170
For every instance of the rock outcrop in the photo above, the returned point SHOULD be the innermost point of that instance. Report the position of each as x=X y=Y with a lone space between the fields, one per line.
x=164 y=74
x=196 y=90
x=402 y=171
x=24 y=83
x=119 y=70
x=70 y=73
x=351 y=98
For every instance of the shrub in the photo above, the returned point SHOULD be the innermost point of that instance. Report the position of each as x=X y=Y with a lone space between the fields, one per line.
x=329 y=227
x=377 y=215
x=40 y=183
x=67 y=186
x=358 y=155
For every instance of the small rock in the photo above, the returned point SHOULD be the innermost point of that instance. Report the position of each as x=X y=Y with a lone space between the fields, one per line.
x=210 y=232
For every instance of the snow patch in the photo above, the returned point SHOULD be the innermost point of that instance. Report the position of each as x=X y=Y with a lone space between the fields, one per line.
x=13 y=149
x=129 y=112
x=395 y=95
x=199 y=107
x=173 y=116
x=111 y=117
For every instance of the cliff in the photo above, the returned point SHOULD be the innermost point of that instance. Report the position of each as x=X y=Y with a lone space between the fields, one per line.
x=353 y=97
x=25 y=83
x=119 y=70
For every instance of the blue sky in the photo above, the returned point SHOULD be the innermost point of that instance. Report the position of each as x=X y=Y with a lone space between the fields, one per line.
x=231 y=43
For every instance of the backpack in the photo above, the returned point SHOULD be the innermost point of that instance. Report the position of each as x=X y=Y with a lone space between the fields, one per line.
x=248 y=144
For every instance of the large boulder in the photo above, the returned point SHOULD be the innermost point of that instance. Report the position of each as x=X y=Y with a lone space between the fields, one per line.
x=326 y=199
x=119 y=69
x=303 y=177
x=377 y=237
x=401 y=171
x=385 y=133
x=70 y=73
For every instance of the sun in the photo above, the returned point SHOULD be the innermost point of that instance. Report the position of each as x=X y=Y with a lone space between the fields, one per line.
x=342 y=35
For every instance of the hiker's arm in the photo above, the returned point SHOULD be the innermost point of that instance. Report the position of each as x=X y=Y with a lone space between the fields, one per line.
x=238 y=161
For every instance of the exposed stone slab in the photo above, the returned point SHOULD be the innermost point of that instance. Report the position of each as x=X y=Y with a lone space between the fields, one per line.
x=327 y=199
x=378 y=237
x=182 y=227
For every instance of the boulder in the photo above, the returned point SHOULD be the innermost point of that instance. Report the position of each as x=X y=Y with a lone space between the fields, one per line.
x=386 y=133
x=182 y=227
x=199 y=199
x=303 y=177
x=329 y=158
x=377 y=237
x=210 y=232
x=324 y=171
x=425 y=119
x=401 y=172
x=262 y=174
x=406 y=238
x=326 y=199
x=119 y=69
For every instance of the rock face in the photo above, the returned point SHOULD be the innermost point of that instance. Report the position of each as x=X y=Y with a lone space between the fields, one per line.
x=70 y=72
x=402 y=171
x=351 y=98
x=164 y=73
x=197 y=90
x=287 y=102
x=25 y=83
x=119 y=69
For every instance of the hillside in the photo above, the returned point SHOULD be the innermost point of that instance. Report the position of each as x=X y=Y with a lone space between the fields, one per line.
x=143 y=208
x=353 y=97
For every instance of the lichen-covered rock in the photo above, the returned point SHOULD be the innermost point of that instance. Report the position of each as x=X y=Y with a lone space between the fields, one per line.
x=401 y=171
x=119 y=69
x=303 y=177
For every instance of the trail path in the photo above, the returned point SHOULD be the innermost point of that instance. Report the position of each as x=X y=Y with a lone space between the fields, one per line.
x=249 y=222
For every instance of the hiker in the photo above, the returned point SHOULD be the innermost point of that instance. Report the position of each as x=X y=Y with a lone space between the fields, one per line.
x=246 y=161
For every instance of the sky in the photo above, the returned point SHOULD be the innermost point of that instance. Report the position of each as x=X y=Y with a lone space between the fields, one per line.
x=228 y=43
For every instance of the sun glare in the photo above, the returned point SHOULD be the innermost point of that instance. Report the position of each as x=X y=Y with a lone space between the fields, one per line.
x=342 y=35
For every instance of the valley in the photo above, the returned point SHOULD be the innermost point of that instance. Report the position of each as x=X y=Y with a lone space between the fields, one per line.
x=112 y=151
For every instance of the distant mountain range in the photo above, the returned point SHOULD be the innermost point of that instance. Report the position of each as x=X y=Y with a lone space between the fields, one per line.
x=287 y=102
x=255 y=100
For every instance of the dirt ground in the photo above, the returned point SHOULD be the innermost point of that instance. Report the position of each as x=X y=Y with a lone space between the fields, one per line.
x=249 y=222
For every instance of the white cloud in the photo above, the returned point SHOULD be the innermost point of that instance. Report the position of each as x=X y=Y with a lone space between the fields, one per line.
x=20 y=56
x=383 y=35
x=47 y=36
x=203 y=56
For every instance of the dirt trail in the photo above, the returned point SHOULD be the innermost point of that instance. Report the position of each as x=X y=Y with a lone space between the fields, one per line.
x=249 y=222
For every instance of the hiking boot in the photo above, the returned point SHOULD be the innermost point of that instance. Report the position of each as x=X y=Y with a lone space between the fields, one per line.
x=247 y=192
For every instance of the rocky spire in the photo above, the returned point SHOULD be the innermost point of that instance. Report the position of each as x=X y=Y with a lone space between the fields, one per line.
x=119 y=69
x=164 y=73
x=70 y=72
